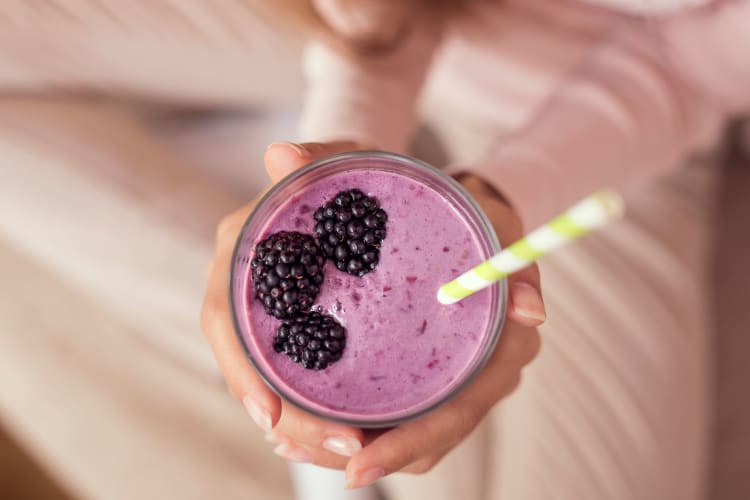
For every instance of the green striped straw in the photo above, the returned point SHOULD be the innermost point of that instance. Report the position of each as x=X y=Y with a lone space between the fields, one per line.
x=586 y=216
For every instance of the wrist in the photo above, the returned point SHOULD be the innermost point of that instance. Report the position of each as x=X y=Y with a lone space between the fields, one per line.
x=495 y=205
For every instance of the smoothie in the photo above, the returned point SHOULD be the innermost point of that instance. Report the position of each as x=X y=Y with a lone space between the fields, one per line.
x=404 y=351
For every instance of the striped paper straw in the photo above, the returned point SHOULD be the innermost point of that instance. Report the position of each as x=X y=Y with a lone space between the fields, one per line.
x=586 y=216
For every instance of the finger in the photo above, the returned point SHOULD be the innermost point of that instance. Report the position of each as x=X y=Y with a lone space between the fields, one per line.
x=294 y=451
x=517 y=347
x=313 y=432
x=426 y=464
x=283 y=158
x=525 y=302
x=243 y=382
x=448 y=425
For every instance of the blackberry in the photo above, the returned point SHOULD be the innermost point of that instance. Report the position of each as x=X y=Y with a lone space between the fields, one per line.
x=287 y=273
x=350 y=230
x=311 y=339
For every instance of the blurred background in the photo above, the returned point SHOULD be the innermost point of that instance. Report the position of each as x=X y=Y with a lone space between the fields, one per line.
x=123 y=140
x=121 y=146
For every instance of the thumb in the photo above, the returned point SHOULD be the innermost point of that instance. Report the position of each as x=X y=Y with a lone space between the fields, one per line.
x=283 y=158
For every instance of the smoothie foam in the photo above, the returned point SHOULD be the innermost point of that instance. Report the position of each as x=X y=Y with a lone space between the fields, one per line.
x=404 y=350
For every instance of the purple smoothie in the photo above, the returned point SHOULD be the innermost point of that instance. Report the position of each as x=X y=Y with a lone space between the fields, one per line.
x=404 y=350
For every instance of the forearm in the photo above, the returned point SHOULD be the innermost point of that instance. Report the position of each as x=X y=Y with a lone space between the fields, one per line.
x=633 y=110
x=370 y=99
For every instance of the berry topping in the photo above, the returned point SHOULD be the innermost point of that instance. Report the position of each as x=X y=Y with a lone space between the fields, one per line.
x=287 y=273
x=312 y=339
x=350 y=230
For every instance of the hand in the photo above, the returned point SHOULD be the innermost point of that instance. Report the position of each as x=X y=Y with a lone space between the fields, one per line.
x=412 y=447
x=307 y=433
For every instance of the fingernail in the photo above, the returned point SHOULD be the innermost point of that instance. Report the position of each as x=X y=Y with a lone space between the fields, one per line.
x=342 y=445
x=527 y=301
x=298 y=148
x=261 y=417
x=292 y=453
x=364 y=478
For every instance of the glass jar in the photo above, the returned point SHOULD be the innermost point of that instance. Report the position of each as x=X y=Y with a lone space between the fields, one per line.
x=405 y=353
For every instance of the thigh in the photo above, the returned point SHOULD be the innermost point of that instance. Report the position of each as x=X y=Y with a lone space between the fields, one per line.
x=617 y=404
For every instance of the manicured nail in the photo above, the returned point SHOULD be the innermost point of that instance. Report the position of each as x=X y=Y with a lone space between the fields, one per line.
x=364 y=478
x=527 y=301
x=342 y=445
x=292 y=453
x=261 y=417
x=298 y=148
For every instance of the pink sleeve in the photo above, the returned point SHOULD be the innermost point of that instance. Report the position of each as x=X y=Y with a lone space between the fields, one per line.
x=367 y=98
x=644 y=99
